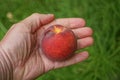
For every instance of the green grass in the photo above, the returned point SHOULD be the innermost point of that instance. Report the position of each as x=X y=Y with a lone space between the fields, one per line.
x=103 y=16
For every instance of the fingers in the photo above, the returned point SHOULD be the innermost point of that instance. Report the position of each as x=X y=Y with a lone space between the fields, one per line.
x=68 y=22
x=83 y=32
x=37 y=20
x=75 y=59
x=84 y=42
x=84 y=37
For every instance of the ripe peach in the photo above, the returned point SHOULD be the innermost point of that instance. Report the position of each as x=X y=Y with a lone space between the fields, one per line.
x=58 y=43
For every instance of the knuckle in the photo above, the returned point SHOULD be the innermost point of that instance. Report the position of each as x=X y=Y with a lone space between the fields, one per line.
x=18 y=26
x=36 y=15
x=14 y=25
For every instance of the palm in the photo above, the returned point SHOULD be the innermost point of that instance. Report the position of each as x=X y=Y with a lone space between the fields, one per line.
x=85 y=37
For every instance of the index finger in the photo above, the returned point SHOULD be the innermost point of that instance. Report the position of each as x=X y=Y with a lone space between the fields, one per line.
x=68 y=22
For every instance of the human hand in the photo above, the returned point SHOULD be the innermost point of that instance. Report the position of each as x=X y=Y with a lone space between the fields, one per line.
x=21 y=50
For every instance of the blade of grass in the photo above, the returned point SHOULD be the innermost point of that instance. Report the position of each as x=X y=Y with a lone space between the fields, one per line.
x=2 y=27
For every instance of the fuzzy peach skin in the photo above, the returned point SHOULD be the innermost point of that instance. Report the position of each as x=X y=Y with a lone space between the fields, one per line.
x=59 y=43
x=21 y=57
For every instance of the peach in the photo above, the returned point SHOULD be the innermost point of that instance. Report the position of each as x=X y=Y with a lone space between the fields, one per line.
x=58 y=43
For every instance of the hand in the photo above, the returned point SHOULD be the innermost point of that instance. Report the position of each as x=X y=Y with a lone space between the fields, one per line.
x=21 y=48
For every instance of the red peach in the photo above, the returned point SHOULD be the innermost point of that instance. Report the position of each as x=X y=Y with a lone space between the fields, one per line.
x=58 y=43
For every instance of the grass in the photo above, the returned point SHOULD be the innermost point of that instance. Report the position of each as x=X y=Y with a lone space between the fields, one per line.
x=101 y=15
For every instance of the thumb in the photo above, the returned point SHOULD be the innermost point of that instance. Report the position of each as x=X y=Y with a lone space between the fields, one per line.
x=36 y=20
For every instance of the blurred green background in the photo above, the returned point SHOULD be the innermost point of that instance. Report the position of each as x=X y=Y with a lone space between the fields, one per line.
x=103 y=16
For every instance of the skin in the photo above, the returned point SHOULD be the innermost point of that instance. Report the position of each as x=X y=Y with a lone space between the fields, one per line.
x=21 y=57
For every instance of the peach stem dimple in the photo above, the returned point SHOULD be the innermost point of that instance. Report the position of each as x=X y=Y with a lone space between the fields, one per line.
x=57 y=29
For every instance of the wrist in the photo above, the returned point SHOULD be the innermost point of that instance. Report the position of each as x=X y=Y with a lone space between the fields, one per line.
x=6 y=67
